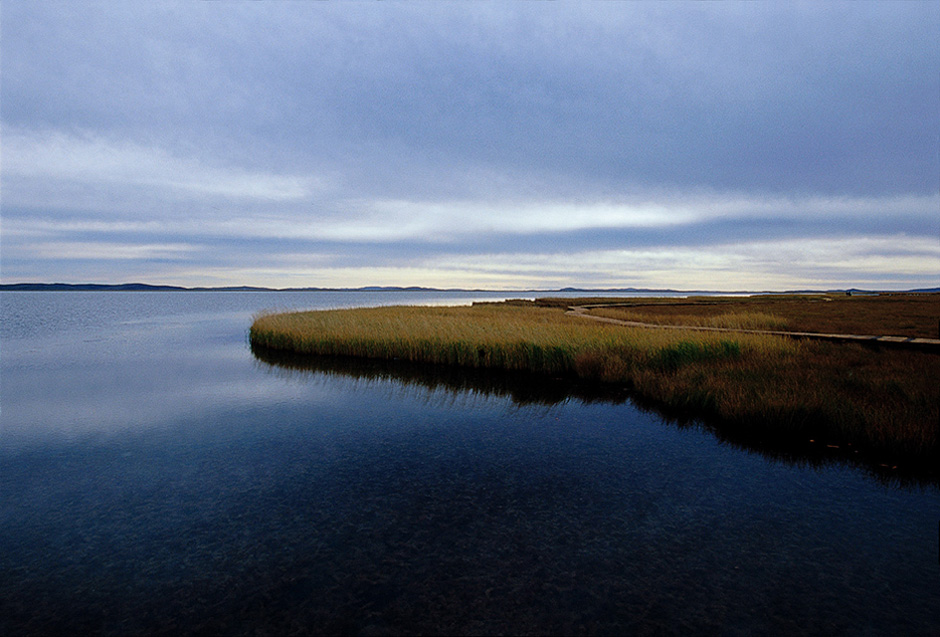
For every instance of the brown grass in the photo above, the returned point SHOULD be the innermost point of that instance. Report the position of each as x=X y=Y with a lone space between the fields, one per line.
x=894 y=314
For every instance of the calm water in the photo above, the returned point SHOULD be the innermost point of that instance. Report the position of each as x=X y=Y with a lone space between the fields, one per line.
x=157 y=477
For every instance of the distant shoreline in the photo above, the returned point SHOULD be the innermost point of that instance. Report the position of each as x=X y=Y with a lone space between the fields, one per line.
x=145 y=287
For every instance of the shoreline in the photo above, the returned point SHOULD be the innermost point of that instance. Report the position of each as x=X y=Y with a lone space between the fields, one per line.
x=878 y=402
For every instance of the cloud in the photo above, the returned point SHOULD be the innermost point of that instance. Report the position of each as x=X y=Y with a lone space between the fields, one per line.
x=833 y=99
x=454 y=223
x=400 y=144
x=109 y=251
x=758 y=265
x=90 y=160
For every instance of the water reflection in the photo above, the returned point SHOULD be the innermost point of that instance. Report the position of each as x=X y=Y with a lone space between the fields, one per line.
x=528 y=389
x=520 y=387
x=156 y=478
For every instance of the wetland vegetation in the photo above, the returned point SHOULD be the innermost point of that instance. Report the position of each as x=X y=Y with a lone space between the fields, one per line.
x=898 y=314
x=878 y=402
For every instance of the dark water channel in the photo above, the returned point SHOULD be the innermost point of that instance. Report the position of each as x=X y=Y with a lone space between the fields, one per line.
x=156 y=476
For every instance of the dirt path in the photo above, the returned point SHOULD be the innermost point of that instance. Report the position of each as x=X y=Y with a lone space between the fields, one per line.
x=924 y=344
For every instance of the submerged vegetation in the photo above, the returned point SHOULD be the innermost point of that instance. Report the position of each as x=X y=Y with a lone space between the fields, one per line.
x=877 y=402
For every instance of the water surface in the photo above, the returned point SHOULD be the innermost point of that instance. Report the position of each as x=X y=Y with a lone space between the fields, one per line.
x=157 y=477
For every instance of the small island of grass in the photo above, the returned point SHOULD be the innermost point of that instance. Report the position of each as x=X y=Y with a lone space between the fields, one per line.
x=882 y=402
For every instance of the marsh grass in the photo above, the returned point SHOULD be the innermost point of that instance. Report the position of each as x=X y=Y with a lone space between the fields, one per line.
x=492 y=336
x=731 y=320
x=893 y=314
x=882 y=401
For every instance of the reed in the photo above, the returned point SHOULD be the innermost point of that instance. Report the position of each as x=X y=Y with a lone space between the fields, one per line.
x=502 y=337
x=731 y=320
x=883 y=401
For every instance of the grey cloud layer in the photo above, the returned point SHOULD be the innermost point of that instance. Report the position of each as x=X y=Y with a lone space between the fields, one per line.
x=364 y=134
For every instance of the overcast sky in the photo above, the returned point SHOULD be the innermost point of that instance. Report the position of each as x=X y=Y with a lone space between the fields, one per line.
x=723 y=146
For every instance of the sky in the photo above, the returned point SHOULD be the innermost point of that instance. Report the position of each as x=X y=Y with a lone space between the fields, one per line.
x=719 y=146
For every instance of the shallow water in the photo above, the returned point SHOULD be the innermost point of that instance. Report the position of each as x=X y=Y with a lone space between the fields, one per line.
x=156 y=477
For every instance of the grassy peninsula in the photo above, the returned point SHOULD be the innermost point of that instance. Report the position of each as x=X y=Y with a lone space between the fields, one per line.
x=882 y=402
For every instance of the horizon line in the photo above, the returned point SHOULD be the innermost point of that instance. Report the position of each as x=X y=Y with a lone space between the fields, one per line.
x=137 y=286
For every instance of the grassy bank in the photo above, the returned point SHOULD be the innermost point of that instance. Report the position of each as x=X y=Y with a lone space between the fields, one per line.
x=895 y=314
x=881 y=402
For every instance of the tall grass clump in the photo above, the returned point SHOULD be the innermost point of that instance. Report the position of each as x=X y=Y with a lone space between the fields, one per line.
x=671 y=357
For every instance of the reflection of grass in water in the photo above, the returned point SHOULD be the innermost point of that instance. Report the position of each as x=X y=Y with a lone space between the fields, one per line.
x=527 y=389
x=881 y=400
x=522 y=388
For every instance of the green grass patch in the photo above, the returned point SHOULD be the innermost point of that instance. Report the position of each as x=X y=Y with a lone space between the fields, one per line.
x=672 y=357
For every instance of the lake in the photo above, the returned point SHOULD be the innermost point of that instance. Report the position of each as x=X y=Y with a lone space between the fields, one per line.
x=157 y=476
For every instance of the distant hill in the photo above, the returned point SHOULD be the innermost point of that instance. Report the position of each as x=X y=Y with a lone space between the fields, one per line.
x=145 y=287
x=88 y=287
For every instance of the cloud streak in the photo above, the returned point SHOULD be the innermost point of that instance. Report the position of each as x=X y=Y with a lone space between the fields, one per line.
x=92 y=161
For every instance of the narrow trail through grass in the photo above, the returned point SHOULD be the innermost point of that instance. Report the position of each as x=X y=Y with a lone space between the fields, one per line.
x=920 y=343
x=897 y=314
